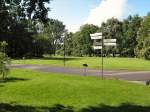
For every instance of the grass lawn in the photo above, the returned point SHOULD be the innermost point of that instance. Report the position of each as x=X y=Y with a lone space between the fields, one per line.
x=30 y=91
x=93 y=62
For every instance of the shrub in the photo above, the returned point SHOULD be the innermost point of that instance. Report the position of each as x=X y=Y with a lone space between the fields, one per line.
x=147 y=53
x=4 y=61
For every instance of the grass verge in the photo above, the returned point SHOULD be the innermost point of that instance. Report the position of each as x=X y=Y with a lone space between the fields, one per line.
x=30 y=91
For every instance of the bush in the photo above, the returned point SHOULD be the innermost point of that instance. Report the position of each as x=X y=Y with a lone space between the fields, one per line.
x=147 y=53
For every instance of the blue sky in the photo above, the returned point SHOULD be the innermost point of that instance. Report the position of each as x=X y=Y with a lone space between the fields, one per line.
x=74 y=13
x=141 y=7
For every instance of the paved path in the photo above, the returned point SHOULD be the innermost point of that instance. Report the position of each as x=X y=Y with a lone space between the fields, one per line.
x=117 y=74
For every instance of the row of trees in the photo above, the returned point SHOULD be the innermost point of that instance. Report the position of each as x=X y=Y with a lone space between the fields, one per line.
x=132 y=34
x=26 y=28
x=29 y=32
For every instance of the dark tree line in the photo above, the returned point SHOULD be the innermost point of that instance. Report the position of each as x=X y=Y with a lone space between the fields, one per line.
x=26 y=28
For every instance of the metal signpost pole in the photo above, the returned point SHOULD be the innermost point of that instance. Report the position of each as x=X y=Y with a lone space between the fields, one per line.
x=102 y=75
x=64 y=48
x=64 y=52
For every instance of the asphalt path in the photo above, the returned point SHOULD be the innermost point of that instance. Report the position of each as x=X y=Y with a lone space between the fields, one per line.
x=117 y=74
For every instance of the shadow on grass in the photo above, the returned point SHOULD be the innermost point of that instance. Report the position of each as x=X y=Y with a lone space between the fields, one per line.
x=122 y=108
x=53 y=58
x=12 y=79
x=20 y=108
x=60 y=108
x=61 y=58
x=1 y=85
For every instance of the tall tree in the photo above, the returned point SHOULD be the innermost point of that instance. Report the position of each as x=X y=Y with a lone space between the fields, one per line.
x=68 y=44
x=143 y=39
x=18 y=24
x=54 y=29
x=112 y=29
x=82 y=43
x=131 y=26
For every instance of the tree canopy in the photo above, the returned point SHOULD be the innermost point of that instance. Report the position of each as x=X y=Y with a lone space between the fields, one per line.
x=143 y=39
x=29 y=32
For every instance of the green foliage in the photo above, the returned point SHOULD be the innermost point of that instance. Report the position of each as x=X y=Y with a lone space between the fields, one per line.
x=147 y=53
x=143 y=39
x=69 y=44
x=54 y=30
x=112 y=29
x=3 y=46
x=81 y=41
x=41 y=45
x=86 y=30
x=20 y=20
x=77 y=44
x=29 y=32
x=130 y=28
x=124 y=31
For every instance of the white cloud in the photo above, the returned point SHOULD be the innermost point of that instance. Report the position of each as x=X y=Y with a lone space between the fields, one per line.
x=107 y=9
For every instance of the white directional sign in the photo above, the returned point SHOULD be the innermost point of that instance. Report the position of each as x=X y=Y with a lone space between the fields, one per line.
x=97 y=47
x=110 y=44
x=110 y=40
x=96 y=37
x=96 y=34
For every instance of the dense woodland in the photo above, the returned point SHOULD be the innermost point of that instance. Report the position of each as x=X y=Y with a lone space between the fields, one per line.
x=26 y=28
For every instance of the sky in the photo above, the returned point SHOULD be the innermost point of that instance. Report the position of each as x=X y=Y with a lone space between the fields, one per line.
x=74 y=13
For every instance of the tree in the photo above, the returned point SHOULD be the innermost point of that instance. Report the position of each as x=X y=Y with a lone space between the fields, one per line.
x=142 y=49
x=68 y=41
x=36 y=9
x=54 y=29
x=82 y=43
x=112 y=29
x=41 y=45
x=86 y=30
x=19 y=19
x=130 y=26
x=77 y=44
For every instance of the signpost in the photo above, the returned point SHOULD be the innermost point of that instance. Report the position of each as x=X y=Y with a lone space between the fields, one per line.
x=98 y=37
x=110 y=40
x=110 y=44
x=103 y=42
x=63 y=37
x=96 y=34
x=97 y=47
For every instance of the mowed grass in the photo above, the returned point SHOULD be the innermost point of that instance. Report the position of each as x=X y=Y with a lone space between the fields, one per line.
x=93 y=62
x=26 y=90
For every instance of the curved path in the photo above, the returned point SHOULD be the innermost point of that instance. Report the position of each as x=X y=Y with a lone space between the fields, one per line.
x=117 y=74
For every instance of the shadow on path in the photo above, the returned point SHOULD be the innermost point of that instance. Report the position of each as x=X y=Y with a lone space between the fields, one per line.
x=60 y=108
